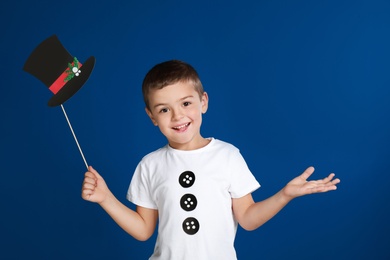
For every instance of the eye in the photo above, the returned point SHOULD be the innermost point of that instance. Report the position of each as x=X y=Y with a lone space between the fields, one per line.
x=186 y=103
x=164 y=110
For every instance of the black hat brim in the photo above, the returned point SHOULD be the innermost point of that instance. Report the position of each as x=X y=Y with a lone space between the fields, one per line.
x=73 y=85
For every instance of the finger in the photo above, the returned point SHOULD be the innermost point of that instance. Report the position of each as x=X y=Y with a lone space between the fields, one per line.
x=89 y=175
x=328 y=179
x=91 y=180
x=307 y=173
x=325 y=189
x=86 y=194
x=322 y=188
x=91 y=169
x=89 y=185
x=335 y=181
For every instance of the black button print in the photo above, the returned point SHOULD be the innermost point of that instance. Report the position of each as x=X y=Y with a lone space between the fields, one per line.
x=187 y=179
x=188 y=202
x=191 y=226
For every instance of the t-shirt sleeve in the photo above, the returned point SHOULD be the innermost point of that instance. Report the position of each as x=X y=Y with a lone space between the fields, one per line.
x=242 y=181
x=139 y=191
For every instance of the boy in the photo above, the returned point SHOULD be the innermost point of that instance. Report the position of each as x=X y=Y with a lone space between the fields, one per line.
x=198 y=188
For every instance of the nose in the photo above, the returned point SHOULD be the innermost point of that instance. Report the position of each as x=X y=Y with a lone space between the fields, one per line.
x=177 y=114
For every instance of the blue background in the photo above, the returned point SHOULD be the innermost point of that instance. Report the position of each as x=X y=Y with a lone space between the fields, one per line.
x=291 y=83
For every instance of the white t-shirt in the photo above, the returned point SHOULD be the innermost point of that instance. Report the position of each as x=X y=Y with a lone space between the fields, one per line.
x=193 y=191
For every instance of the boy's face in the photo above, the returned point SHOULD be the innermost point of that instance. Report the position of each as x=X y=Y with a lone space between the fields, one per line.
x=177 y=110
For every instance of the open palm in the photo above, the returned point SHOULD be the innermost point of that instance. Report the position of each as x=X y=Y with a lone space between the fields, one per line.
x=300 y=186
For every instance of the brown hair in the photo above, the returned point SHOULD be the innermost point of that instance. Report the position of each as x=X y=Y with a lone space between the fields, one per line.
x=168 y=73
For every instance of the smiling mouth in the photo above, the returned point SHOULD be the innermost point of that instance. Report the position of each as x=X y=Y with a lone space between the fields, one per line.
x=181 y=127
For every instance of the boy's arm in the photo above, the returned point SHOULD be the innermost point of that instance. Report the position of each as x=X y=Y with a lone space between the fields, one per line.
x=140 y=223
x=252 y=215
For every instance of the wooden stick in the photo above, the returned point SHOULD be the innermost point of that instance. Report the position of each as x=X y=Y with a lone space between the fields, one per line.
x=74 y=136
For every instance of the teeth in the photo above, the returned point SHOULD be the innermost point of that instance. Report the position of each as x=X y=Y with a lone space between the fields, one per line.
x=180 y=127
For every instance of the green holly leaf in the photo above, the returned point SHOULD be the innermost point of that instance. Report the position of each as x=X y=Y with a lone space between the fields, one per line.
x=76 y=62
x=69 y=70
x=69 y=77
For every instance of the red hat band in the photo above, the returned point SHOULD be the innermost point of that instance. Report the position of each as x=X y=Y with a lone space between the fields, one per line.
x=73 y=70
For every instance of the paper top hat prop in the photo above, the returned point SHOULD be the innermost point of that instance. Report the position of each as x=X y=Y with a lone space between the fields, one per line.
x=62 y=73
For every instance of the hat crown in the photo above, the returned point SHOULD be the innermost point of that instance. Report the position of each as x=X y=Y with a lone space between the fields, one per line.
x=48 y=61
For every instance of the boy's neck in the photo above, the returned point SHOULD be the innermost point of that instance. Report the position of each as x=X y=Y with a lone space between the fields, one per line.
x=194 y=145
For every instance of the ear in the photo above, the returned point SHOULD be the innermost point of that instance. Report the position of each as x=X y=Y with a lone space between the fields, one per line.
x=150 y=115
x=205 y=102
